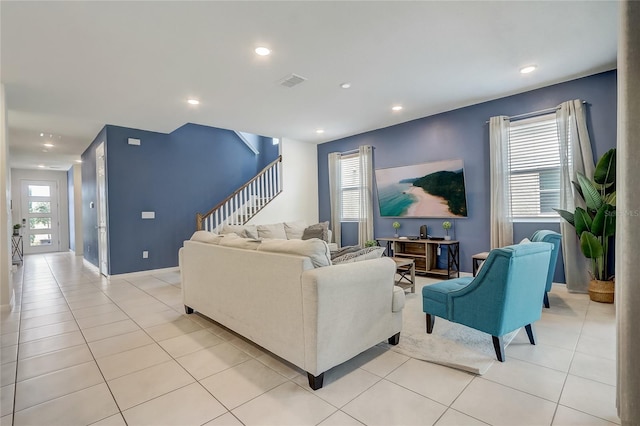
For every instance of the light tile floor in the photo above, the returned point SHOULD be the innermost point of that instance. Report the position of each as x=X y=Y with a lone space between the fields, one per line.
x=83 y=350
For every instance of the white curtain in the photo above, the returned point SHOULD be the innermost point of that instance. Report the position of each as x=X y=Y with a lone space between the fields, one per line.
x=501 y=223
x=365 y=217
x=575 y=156
x=335 y=195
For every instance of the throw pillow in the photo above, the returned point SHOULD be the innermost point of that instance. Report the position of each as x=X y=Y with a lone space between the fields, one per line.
x=344 y=250
x=294 y=230
x=315 y=249
x=525 y=241
x=244 y=231
x=360 y=255
x=275 y=230
x=319 y=230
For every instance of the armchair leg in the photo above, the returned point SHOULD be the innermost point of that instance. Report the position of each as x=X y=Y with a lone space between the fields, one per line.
x=395 y=339
x=431 y=319
x=530 y=334
x=498 y=345
x=315 y=382
x=546 y=300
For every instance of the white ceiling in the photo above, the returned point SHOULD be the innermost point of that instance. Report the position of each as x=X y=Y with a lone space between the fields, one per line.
x=69 y=68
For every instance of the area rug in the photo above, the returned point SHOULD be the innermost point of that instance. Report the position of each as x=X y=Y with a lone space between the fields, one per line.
x=450 y=344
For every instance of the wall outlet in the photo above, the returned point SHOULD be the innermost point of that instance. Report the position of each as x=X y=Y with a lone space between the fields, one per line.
x=145 y=254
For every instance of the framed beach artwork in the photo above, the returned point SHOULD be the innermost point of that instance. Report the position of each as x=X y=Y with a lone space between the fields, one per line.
x=433 y=189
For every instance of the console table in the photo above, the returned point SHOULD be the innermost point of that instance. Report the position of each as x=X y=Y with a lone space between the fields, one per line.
x=17 y=249
x=425 y=254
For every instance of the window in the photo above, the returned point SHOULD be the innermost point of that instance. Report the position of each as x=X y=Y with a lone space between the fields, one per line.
x=534 y=167
x=350 y=190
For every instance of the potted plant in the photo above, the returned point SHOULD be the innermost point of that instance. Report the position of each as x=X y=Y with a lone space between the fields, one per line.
x=446 y=225
x=16 y=229
x=395 y=225
x=596 y=225
x=371 y=243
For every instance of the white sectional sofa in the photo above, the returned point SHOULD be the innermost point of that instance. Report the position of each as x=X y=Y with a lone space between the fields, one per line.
x=298 y=306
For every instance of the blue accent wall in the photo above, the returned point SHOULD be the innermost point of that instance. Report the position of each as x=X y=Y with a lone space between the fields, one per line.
x=174 y=175
x=464 y=133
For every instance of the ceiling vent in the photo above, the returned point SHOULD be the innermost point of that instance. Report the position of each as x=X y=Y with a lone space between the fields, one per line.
x=291 y=80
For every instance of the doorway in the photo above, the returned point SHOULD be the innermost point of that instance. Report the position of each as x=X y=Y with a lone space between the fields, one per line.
x=40 y=224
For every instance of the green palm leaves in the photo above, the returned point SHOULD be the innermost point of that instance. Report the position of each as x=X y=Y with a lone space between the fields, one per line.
x=596 y=223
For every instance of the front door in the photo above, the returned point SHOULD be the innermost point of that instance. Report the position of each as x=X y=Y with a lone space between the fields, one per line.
x=41 y=229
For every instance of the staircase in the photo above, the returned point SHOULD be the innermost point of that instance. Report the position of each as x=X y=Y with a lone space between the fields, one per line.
x=239 y=207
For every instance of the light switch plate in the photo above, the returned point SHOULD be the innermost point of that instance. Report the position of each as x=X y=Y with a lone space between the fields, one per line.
x=148 y=215
x=145 y=254
x=133 y=141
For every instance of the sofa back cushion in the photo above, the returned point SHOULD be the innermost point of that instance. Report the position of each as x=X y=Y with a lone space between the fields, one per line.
x=315 y=249
x=275 y=230
x=244 y=231
x=241 y=243
x=294 y=230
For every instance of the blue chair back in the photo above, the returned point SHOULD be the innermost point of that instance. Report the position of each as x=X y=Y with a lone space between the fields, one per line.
x=554 y=238
x=507 y=292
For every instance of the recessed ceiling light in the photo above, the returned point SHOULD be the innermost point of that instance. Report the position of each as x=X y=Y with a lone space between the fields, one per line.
x=48 y=145
x=320 y=131
x=345 y=85
x=41 y=134
x=193 y=102
x=262 y=51
x=397 y=107
x=41 y=166
x=527 y=69
x=78 y=161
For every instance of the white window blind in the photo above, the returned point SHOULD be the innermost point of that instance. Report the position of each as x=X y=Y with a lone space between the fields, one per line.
x=534 y=167
x=350 y=190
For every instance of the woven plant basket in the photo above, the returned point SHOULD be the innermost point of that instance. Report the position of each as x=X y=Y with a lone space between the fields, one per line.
x=601 y=291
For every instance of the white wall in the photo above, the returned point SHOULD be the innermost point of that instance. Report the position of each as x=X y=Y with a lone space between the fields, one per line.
x=299 y=197
x=6 y=287
x=18 y=175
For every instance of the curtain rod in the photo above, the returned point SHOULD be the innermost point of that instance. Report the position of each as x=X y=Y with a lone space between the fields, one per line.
x=535 y=113
x=353 y=151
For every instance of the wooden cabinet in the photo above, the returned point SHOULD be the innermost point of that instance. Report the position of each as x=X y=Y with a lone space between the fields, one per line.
x=425 y=254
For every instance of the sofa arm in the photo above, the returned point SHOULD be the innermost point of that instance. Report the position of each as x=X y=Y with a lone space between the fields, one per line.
x=347 y=309
x=397 y=304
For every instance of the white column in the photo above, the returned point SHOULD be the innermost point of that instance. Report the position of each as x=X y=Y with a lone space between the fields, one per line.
x=6 y=287
x=628 y=219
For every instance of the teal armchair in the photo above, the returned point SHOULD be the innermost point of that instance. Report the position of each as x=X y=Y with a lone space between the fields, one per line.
x=504 y=296
x=555 y=239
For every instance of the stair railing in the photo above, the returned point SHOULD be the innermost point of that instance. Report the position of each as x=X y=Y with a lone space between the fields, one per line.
x=239 y=207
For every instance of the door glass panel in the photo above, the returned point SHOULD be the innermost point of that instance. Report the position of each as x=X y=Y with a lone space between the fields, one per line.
x=40 y=240
x=39 y=206
x=39 y=191
x=39 y=223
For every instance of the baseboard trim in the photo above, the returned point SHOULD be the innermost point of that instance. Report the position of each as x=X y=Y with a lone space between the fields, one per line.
x=144 y=273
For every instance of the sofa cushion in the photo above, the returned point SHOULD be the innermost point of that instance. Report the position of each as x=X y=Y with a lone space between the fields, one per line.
x=274 y=230
x=319 y=230
x=294 y=230
x=207 y=237
x=315 y=249
x=360 y=255
x=241 y=243
x=244 y=231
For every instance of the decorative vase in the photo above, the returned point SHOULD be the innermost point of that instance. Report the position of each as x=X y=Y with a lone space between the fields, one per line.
x=447 y=237
x=395 y=235
x=601 y=291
